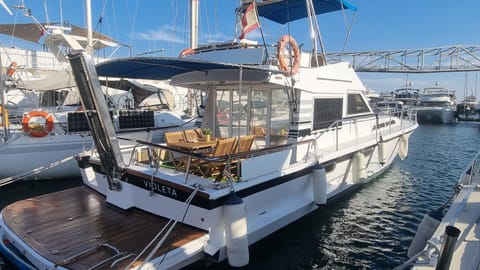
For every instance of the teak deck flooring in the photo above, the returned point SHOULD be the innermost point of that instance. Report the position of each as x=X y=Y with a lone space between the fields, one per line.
x=63 y=224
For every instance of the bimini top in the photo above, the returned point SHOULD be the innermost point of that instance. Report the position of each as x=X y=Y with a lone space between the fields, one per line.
x=284 y=11
x=159 y=68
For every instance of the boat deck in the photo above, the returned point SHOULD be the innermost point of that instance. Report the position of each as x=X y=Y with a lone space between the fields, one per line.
x=62 y=225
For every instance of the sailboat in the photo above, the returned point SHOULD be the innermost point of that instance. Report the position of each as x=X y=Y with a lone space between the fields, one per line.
x=315 y=139
x=41 y=138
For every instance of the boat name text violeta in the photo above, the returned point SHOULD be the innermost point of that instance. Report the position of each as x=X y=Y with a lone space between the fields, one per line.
x=171 y=192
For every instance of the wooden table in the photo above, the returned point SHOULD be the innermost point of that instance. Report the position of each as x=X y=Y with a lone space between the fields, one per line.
x=194 y=146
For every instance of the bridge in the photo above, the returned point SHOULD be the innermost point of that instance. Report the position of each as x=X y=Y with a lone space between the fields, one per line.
x=441 y=59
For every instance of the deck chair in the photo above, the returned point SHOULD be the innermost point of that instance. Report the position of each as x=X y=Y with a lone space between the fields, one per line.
x=244 y=144
x=260 y=134
x=178 y=160
x=193 y=134
x=209 y=168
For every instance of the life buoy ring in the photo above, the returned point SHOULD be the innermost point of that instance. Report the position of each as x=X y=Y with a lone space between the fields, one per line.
x=282 y=64
x=403 y=147
x=11 y=69
x=186 y=52
x=38 y=131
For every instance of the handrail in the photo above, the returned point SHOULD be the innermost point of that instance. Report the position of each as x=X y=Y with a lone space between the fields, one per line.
x=251 y=153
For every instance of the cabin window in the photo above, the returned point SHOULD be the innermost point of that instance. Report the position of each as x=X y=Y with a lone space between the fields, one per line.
x=264 y=113
x=326 y=111
x=356 y=104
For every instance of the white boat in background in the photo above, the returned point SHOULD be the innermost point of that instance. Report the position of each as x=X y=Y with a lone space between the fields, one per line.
x=42 y=123
x=407 y=95
x=451 y=240
x=315 y=139
x=437 y=105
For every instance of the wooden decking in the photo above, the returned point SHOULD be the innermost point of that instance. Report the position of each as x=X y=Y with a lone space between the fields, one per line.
x=63 y=224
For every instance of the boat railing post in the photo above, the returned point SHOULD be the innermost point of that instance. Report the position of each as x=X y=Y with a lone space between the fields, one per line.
x=336 y=135
x=448 y=246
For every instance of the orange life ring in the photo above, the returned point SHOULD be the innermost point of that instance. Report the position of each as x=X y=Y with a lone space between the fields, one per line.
x=282 y=64
x=11 y=69
x=186 y=52
x=37 y=131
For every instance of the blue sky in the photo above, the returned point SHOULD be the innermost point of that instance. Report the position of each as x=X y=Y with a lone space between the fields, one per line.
x=379 y=25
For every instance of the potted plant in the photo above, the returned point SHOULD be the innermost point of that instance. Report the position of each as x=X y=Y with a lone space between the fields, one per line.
x=207 y=134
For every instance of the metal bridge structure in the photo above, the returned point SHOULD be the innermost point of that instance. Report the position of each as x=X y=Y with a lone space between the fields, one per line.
x=458 y=58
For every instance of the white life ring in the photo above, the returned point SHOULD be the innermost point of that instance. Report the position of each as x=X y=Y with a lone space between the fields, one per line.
x=403 y=147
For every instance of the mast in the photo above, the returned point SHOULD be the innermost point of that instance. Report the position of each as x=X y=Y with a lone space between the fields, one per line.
x=193 y=45
x=193 y=24
x=88 y=10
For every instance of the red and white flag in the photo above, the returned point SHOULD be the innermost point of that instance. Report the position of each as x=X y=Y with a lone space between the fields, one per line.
x=249 y=20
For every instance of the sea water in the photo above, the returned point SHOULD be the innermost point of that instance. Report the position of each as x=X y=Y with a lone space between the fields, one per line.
x=369 y=229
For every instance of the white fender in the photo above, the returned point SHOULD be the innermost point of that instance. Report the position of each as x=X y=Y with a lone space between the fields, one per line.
x=319 y=184
x=403 y=147
x=358 y=167
x=425 y=230
x=381 y=153
x=236 y=233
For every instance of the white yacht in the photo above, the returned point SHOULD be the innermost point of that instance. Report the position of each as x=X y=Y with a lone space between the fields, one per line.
x=42 y=123
x=437 y=105
x=315 y=139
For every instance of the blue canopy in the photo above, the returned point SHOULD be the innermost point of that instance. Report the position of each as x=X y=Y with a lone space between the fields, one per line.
x=291 y=10
x=157 y=68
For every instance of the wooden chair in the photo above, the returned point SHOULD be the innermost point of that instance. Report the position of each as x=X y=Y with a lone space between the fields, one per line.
x=193 y=134
x=260 y=134
x=244 y=144
x=171 y=137
x=222 y=148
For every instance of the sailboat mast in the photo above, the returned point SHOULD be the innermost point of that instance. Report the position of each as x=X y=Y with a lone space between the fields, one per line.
x=193 y=45
x=88 y=8
x=193 y=24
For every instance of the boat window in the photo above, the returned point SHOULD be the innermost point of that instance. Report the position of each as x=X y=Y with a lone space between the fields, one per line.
x=52 y=98
x=356 y=104
x=264 y=113
x=326 y=111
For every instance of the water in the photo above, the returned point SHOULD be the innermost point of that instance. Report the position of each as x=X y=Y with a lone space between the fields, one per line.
x=370 y=229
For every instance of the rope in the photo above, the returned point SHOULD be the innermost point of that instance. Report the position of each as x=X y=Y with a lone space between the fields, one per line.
x=430 y=245
x=169 y=227
x=11 y=179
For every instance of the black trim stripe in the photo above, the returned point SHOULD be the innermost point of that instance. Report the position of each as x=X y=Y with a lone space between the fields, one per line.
x=181 y=193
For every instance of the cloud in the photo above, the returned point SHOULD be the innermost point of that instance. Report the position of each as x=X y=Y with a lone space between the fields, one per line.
x=164 y=33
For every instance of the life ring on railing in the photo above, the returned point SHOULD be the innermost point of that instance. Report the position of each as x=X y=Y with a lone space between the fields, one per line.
x=282 y=64
x=37 y=131
x=11 y=69
x=186 y=52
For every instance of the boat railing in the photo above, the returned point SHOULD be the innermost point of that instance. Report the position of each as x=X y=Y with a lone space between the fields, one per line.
x=153 y=156
x=266 y=53
x=409 y=114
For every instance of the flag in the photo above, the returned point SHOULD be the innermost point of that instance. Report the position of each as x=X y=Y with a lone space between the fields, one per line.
x=249 y=20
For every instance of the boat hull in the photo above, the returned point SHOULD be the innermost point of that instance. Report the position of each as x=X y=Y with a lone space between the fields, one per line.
x=436 y=115
x=271 y=204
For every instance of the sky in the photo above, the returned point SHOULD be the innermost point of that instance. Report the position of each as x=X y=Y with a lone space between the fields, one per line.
x=161 y=27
